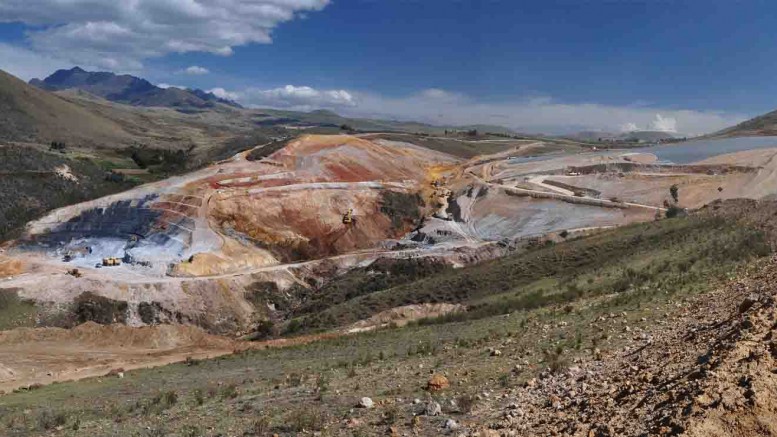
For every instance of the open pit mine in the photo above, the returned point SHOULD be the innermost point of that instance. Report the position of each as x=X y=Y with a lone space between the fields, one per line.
x=218 y=248
x=188 y=250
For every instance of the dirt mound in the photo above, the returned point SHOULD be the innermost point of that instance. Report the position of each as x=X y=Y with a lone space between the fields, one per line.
x=10 y=267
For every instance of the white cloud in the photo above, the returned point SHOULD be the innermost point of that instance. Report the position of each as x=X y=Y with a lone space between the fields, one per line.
x=538 y=114
x=119 y=35
x=300 y=98
x=659 y=123
x=663 y=124
x=224 y=94
x=195 y=70
x=440 y=94
x=534 y=115
x=167 y=85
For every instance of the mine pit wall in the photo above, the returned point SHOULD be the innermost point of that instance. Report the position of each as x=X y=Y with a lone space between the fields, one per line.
x=302 y=225
x=226 y=306
x=149 y=232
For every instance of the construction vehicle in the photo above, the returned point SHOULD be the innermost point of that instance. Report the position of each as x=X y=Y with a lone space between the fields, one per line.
x=348 y=217
x=111 y=261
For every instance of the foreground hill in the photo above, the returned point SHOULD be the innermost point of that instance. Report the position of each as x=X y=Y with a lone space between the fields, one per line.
x=128 y=89
x=763 y=126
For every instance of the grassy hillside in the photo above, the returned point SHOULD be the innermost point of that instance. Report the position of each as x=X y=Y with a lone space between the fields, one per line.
x=632 y=278
x=763 y=125
x=33 y=181
x=30 y=114
x=633 y=258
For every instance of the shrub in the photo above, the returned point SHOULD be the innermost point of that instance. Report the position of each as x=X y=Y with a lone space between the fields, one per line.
x=199 y=399
x=322 y=386
x=306 y=419
x=674 y=211
x=48 y=419
x=190 y=430
x=555 y=360
x=229 y=391
x=261 y=426
x=465 y=403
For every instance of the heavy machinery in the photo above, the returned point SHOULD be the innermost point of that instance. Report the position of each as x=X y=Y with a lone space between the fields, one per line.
x=111 y=261
x=348 y=217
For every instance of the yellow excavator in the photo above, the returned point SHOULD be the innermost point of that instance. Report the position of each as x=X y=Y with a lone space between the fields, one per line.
x=348 y=217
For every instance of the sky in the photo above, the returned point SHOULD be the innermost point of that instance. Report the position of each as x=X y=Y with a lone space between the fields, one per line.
x=552 y=66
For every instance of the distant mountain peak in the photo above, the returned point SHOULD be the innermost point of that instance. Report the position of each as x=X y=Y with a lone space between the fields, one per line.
x=128 y=89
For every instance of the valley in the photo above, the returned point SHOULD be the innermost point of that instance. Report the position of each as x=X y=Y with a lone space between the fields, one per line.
x=219 y=270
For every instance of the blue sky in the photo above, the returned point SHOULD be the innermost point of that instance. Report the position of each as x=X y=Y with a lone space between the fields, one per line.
x=553 y=66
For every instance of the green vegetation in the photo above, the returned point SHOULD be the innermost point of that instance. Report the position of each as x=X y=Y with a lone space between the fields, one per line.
x=161 y=160
x=90 y=307
x=262 y=152
x=467 y=146
x=669 y=254
x=674 y=191
x=380 y=275
x=564 y=301
x=401 y=208
x=30 y=185
x=15 y=312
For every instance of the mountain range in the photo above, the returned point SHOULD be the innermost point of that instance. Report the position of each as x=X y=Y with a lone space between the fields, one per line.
x=129 y=90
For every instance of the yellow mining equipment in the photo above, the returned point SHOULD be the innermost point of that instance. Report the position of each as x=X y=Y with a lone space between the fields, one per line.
x=111 y=261
x=348 y=217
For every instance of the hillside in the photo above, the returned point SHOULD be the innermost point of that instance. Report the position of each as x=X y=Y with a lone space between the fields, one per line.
x=629 y=321
x=33 y=115
x=763 y=125
x=326 y=118
x=128 y=89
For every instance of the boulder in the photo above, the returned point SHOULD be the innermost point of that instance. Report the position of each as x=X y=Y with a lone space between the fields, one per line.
x=437 y=383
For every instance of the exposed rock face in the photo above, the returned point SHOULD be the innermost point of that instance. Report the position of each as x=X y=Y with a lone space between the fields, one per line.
x=192 y=246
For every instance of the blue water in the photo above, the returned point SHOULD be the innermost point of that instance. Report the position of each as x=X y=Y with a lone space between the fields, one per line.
x=697 y=150
x=683 y=153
